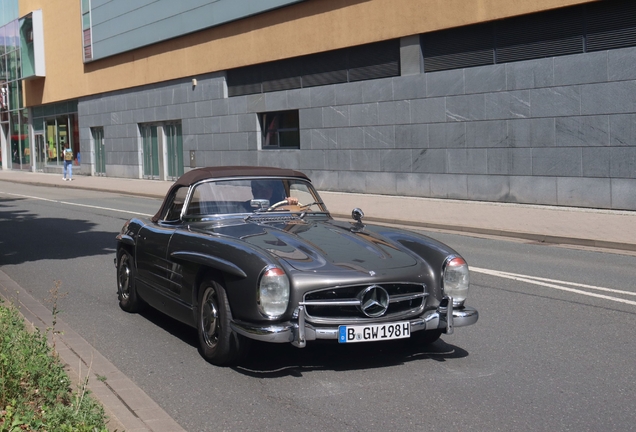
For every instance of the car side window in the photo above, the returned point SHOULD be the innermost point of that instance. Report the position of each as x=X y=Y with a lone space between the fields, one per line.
x=194 y=207
x=174 y=211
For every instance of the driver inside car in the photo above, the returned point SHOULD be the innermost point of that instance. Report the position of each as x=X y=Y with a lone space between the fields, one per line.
x=263 y=189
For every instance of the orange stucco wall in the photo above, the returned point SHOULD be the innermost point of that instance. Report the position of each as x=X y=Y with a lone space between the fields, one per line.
x=308 y=27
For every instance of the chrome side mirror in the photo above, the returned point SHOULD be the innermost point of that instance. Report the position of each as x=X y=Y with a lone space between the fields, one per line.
x=357 y=215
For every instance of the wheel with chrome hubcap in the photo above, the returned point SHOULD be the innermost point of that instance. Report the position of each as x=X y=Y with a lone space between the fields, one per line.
x=126 y=290
x=218 y=343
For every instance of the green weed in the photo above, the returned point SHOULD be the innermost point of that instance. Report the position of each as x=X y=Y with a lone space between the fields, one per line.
x=35 y=391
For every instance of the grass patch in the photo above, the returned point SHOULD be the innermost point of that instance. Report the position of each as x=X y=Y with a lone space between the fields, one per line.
x=35 y=392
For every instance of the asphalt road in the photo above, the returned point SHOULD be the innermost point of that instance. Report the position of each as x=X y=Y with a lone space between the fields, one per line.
x=553 y=350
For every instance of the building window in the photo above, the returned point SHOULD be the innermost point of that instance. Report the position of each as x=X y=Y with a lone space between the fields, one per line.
x=174 y=150
x=162 y=149
x=280 y=130
x=87 y=30
x=99 y=150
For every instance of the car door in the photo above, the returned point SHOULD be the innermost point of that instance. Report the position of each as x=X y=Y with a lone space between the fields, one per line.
x=154 y=267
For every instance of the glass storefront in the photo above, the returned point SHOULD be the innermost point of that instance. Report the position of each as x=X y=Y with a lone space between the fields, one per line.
x=19 y=135
x=15 y=149
x=54 y=127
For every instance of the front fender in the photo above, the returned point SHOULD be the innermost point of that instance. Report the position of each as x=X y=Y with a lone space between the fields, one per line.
x=239 y=263
x=209 y=261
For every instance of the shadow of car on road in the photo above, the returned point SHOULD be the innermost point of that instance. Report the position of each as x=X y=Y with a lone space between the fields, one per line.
x=48 y=238
x=279 y=360
x=267 y=360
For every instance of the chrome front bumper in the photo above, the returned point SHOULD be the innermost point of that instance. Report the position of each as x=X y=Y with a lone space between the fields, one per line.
x=298 y=332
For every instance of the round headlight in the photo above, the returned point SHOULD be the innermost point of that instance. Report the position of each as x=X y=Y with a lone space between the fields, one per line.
x=273 y=292
x=455 y=279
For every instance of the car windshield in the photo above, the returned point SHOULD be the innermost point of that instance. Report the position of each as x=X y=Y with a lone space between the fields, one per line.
x=256 y=195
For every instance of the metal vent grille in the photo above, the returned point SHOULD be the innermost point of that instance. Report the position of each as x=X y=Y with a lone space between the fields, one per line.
x=377 y=60
x=545 y=34
x=281 y=75
x=458 y=48
x=325 y=68
x=244 y=81
x=611 y=25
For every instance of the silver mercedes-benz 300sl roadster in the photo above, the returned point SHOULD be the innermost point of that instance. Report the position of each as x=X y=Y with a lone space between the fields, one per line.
x=243 y=253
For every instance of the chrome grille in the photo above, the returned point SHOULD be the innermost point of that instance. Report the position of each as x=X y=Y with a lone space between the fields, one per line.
x=342 y=304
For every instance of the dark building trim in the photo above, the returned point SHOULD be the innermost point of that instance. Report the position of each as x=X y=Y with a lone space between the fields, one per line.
x=597 y=26
x=365 y=62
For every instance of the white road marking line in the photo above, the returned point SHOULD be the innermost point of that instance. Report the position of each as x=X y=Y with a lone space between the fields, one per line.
x=593 y=287
x=76 y=204
x=521 y=278
x=540 y=281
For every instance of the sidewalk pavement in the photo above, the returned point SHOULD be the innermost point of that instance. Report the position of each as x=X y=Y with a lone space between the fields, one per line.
x=131 y=409
x=596 y=228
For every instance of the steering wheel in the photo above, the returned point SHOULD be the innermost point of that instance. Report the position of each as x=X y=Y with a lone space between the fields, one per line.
x=278 y=204
x=285 y=202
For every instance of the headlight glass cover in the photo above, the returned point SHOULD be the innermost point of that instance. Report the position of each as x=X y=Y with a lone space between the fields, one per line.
x=455 y=279
x=273 y=292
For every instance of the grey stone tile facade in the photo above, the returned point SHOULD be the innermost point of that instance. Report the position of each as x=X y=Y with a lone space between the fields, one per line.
x=556 y=131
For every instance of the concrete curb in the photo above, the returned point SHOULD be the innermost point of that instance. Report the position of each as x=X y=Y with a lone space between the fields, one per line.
x=127 y=406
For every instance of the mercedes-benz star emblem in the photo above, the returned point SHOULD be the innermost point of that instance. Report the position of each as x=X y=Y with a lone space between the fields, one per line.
x=374 y=301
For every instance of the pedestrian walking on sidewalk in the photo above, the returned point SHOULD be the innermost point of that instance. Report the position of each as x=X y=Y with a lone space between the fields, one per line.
x=68 y=163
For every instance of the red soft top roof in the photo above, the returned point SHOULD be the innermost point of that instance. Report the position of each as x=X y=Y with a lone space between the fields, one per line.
x=199 y=174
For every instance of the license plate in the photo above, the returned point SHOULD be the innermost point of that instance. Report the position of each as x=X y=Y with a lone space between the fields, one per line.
x=376 y=332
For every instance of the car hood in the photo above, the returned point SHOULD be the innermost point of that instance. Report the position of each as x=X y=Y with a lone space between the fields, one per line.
x=323 y=245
